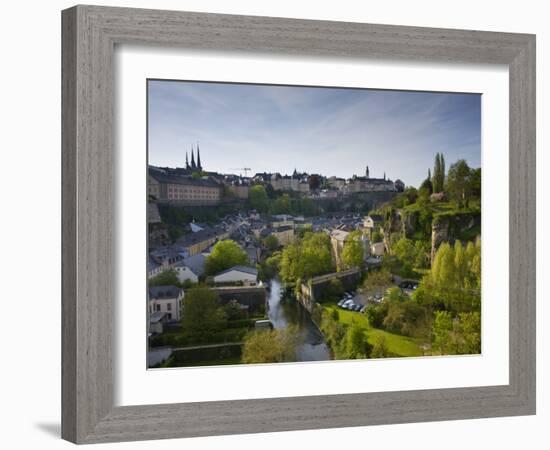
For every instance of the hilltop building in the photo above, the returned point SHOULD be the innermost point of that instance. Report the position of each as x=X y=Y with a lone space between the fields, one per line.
x=186 y=186
x=368 y=184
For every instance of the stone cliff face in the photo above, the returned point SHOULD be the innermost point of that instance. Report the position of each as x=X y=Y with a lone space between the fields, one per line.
x=445 y=227
x=450 y=227
x=440 y=234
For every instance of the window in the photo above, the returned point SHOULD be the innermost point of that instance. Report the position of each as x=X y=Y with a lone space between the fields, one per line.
x=157 y=307
x=169 y=307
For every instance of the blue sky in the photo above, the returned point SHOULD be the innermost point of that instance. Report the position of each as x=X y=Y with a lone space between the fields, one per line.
x=332 y=131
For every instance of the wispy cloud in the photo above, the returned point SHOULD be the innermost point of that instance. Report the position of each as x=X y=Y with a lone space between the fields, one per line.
x=332 y=131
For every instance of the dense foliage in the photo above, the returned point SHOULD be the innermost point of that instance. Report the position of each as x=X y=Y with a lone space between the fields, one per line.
x=306 y=258
x=202 y=314
x=166 y=278
x=225 y=254
x=258 y=198
x=438 y=179
x=454 y=281
x=271 y=346
x=353 y=252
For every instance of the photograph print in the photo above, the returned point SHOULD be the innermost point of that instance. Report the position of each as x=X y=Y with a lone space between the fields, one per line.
x=301 y=223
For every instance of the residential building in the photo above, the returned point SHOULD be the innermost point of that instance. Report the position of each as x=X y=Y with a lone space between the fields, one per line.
x=284 y=234
x=185 y=273
x=166 y=299
x=163 y=258
x=377 y=249
x=173 y=185
x=337 y=241
x=237 y=274
x=372 y=223
x=282 y=220
x=336 y=182
x=196 y=263
x=399 y=185
x=157 y=321
x=196 y=242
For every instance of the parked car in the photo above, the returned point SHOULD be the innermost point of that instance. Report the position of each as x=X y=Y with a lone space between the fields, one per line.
x=408 y=284
x=341 y=302
x=348 y=304
x=357 y=308
x=363 y=309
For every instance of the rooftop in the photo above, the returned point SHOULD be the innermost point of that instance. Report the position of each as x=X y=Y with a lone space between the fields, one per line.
x=160 y=292
x=244 y=269
x=164 y=175
x=339 y=235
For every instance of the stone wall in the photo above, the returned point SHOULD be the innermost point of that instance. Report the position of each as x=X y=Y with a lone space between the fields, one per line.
x=252 y=296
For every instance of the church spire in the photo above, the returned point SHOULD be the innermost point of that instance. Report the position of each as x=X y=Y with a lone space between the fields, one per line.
x=186 y=161
x=367 y=172
x=193 y=165
x=199 y=157
x=384 y=175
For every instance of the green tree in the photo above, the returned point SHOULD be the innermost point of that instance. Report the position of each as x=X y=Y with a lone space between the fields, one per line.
x=271 y=242
x=271 y=346
x=459 y=186
x=202 y=314
x=442 y=337
x=427 y=184
x=233 y=310
x=306 y=258
x=438 y=178
x=406 y=253
x=380 y=347
x=353 y=252
x=282 y=205
x=377 y=281
x=333 y=330
x=475 y=183
x=454 y=281
x=377 y=237
x=410 y=196
x=224 y=255
x=354 y=344
x=376 y=314
x=459 y=335
x=258 y=198
x=166 y=278
x=269 y=268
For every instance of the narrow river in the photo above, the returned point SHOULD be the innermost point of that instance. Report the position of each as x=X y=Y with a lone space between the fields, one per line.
x=284 y=311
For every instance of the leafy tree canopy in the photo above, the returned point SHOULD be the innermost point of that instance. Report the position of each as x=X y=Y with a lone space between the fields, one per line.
x=306 y=258
x=225 y=254
x=202 y=314
x=166 y=278
x=353 y=253
x=258 y=198
x=271 y=346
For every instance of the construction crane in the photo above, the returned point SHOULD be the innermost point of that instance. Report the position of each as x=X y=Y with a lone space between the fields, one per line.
x=246 y=169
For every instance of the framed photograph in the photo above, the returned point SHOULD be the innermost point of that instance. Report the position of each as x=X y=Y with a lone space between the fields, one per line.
x=277 y=224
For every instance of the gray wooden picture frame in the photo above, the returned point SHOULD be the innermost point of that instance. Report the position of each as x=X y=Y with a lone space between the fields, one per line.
x=90 y=34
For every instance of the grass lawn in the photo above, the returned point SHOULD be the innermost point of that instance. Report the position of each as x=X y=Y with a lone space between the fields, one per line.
x=397 y=345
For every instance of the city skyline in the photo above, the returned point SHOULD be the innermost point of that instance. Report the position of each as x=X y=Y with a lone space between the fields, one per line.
x=329 y=131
